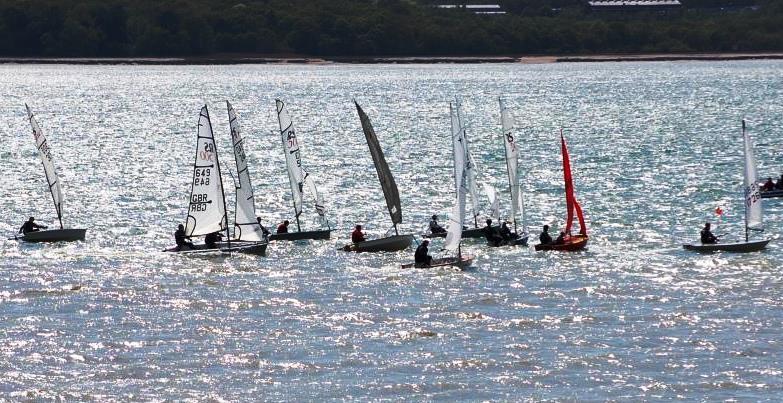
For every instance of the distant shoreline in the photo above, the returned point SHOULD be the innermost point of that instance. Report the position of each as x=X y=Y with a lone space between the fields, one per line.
x=241 y=59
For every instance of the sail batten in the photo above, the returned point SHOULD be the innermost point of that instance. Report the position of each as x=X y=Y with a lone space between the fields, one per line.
x=246 y=227
x=385 y=177
x=44 y=152
x=207 y=207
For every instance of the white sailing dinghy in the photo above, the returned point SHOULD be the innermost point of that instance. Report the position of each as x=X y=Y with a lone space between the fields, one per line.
x=458 y=132
x=248 y=233
x=53 y=235
x=207 y=208
x=754 y=220
x=396 y=242
x=512 y=166
x=299 y=179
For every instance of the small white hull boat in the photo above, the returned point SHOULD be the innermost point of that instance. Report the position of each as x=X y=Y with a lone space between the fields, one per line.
x=54 y=235
x=736 y=247
x=389 y=244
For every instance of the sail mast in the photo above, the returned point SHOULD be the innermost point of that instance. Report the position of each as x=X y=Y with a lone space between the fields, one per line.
x=220 y=179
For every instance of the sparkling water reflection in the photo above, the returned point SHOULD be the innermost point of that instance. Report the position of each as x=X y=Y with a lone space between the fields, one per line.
x=655 y=148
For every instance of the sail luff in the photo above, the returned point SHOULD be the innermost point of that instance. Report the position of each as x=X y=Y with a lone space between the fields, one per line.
x=45 y=154
x=245 y=210
x=753 y=205
x=385 y=177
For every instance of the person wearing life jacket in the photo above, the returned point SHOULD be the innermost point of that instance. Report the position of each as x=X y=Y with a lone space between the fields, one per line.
x=435 y=228
x=422 y=257
x=545 y=238
x=211 y=239
x=768 y=185
x=357 y=235
x=779 y=184
x=492 y=235
x=560 y=238
x=181 y=239
x=283 y=227
x=30 y=226
x=707 y=237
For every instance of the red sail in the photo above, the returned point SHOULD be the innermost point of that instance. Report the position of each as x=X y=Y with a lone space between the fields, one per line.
x=571 y=203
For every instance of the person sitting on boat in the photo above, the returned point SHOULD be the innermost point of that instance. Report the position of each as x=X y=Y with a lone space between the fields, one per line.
x=283 y=227
x=545 y=238
x=357 y=235
x=505 y=232
x=181 y=239
x=422 y=257
x=435 y=228
x=560 y=238
x=492 y=235
x=30 y=226
x=768 y=185
x=706 y=235
x=779 y=185
x=211 y=239
x=263 y=229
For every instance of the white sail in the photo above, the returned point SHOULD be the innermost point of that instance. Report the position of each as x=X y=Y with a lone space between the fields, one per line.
x=297 y=176
x=753 y=208
x=207 y=212
x=246 y=227
x=461 y=165
x=494 y=201
x=471 y=173
x=512 y=154
x=45 y=153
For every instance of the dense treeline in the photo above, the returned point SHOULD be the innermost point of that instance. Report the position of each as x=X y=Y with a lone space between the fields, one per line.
x=368 y=28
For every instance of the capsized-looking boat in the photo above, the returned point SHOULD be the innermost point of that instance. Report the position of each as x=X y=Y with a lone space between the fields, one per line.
x=396 y=242
x=299 y=179
x=754 y=216
x=572 y=242
x=53 y=182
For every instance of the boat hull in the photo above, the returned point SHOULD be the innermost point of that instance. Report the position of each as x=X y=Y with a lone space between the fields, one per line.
x=574 y=243
x=55 y=235
x=297 y=236
x=738 y=247
x=389 y=244
x=466 y=233
x=250 y=248
x=519 y=241
x=461 y=263
x=771 y=193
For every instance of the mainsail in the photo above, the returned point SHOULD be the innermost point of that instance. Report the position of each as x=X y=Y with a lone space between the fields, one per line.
x=382 y=168
x=571 y=204
x=471 y=171
x=246 y=227
x=512 y=156
x=46 y=158
x=207 y=211
x=753 y=207
x=461 y=172
x=297 y=176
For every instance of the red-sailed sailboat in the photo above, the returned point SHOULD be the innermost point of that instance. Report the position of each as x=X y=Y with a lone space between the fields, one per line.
x=571 y=242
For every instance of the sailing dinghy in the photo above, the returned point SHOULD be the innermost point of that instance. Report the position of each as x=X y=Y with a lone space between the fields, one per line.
x=572 y=242
x=299 y=179
x=396 y=242
x=52 y=235
x=459 y=133
x=207 y=208
x=754 y=217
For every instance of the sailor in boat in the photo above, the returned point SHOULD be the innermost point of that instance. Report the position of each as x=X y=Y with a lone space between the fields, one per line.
x=435 y=228
x=263 y=228
x=560 y=238
x=181 y=239
x=768 y=185
x=492 y=235
x=30 y=226
x=422 y=257
x=706 y=235
x=211 y=239
x=779 y=185
x=545 y=238
x=283 y=227
x=357 y=235
x=505 y=232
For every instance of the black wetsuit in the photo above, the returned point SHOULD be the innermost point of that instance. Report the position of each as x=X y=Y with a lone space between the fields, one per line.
x=545 y=238
x=30 y=226
x=180 y=239
x=493 y=238
x=421 y=257
x=707 y=237
x=211 y=239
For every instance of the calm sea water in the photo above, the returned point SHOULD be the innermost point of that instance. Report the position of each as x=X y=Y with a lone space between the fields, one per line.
x=655 y=147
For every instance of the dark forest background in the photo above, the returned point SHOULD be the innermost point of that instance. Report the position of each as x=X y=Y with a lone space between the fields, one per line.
x=136 y=28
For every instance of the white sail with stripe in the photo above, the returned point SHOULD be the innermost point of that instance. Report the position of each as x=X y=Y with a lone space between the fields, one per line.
x=512 y=157
x=461 y=173
x=753 y=207
x=246 y=227
x=207 y=210
x=45 y=153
